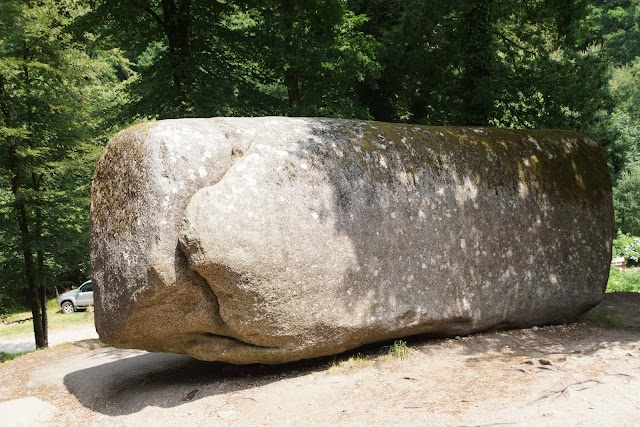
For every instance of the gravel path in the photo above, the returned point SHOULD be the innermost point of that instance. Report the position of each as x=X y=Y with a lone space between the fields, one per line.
x=26 y=343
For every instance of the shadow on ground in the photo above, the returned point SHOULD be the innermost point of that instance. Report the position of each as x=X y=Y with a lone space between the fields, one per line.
x=618 y=312
x=126 y=384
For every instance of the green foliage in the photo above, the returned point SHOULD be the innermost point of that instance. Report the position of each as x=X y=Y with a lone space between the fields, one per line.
x=21 y=323
x=626 y=280
x=8 y=303
x=204 y=59
x=627 y=246
x=57 y=98
x=505 y=64
x=5 y=357
x=626 y=200
x=624 y=121
x=615 y=24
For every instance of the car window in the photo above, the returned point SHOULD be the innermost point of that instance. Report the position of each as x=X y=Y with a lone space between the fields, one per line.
x=86 y=288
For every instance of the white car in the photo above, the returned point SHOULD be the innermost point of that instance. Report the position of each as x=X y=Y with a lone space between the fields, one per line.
x=77 y=298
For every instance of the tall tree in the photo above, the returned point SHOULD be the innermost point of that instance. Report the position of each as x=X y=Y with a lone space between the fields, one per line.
x=240 y=58
x=614 y=25
x=511 y=63
x=180 y=50
x=547 y=77
x=51 y=94
x=317 y=53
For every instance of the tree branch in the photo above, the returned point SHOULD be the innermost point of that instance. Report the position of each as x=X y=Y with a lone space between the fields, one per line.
x=144 y=5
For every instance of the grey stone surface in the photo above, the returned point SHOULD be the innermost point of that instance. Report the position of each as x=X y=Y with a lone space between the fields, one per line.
x=27 y=412
x=274 y=239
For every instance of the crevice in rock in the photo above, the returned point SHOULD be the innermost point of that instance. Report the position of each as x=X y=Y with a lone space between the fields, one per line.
x=216 y=317
x=212 y=336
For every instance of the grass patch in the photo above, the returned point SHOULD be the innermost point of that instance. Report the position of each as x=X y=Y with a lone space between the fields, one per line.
x=626 y=280
x=398 y=350
x=358 y=360
x=5 y=357
x=21 y=323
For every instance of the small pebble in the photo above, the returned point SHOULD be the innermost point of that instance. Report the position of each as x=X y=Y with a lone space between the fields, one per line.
x=535 y=328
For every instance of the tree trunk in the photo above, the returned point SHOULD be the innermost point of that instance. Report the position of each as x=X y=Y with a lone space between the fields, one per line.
x=27 y=254
x=23 y=220
x=42 y=295
x=292 y=83
x=39 y=322
x=41 y=280
x=176 y=25
x=291 y=74
x=477 y=34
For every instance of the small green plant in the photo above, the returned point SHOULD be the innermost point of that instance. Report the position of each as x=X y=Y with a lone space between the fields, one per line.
x=5 y=357
x=398 y=349
x=357 y=359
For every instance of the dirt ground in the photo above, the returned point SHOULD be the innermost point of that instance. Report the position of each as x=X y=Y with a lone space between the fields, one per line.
x=583 y=374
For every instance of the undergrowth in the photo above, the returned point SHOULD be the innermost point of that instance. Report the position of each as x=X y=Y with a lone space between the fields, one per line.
x=22 y=323
x=626 y=280
x=5 y=357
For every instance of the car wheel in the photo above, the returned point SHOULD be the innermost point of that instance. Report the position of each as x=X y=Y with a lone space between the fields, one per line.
x=67 y=307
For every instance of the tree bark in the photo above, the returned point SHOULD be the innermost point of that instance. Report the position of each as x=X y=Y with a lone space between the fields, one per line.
x=477 y=32
x=23 y=219
x=291 y=74
x=41 y=280
x=42 y=294
x=176 y=23
x=292 y=83
x=27 y=254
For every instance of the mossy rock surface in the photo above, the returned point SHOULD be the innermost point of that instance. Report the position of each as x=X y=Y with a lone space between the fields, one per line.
x=274 y=239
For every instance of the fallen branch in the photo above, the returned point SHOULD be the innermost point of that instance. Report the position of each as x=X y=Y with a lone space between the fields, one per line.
x=560 y=392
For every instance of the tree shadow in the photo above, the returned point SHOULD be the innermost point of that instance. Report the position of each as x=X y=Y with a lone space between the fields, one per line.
x=615 y=323
x=459 y=230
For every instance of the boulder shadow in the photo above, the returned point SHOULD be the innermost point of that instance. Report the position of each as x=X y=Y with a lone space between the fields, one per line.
x=129 y=384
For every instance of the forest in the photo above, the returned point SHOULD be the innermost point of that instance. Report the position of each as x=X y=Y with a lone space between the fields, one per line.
x=74 y=72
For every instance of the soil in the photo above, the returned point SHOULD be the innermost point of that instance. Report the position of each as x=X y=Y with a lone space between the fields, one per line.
x=585 y=373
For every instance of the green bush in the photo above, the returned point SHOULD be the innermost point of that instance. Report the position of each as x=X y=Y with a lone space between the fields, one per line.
x=624 y=280
x=627 y=246
x=7 y=305
x=626 y=200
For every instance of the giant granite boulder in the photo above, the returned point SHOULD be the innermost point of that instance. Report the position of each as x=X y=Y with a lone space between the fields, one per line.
x=275 y=239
